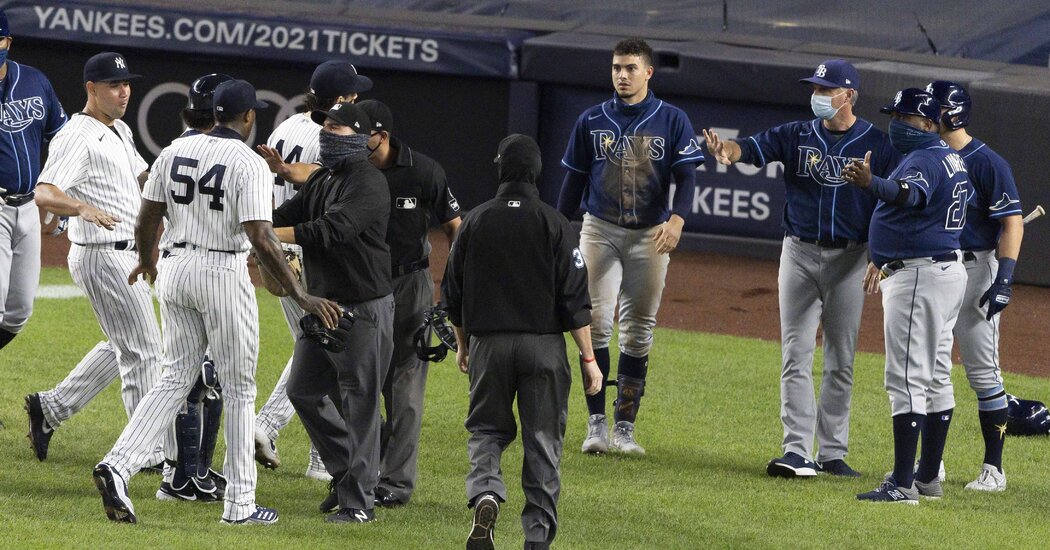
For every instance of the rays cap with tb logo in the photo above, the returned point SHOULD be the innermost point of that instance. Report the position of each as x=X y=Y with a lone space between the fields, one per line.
x=835 y=73
x=107 y=67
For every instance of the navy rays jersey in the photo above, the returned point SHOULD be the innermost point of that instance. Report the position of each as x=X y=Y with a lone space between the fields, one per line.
x=30 y=115
x=934 y=226
x=994 y=196
x=819 y=203
x=628 y=152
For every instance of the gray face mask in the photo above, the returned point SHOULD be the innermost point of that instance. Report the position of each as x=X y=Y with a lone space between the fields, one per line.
x=821 y=105
x=336 y=148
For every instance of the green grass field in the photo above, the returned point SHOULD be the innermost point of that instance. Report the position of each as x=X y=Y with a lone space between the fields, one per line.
x=710 y=422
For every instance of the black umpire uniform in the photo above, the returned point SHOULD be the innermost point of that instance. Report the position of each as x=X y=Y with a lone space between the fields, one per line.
x=340 y=219
x=418 y=193
x=515 y=281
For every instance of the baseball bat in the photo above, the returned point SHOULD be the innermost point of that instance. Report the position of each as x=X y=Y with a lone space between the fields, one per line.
x=1034 y=214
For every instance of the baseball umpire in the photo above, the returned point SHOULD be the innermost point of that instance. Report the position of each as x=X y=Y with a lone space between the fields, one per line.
x=993 y=223
x=620 y=159
x=19 y=222
x=914 y=238
x=516 y=345
x=821 y=263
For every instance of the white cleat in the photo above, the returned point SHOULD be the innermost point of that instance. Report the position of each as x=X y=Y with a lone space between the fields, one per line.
x=990 y=480
x=623 y=439
x=316 y=469
x=597 y=435
x=266 y=451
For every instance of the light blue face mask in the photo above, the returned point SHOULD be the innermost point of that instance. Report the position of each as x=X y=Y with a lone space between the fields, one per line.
x=821 y=105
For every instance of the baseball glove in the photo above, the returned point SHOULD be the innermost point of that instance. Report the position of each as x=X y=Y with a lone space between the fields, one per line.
x=435 y=320
x=270 y=283
x=295 y=263
x=1025 y=417
x=334 y=340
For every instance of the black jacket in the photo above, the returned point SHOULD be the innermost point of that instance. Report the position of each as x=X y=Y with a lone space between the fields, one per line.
x=516 y=267
x=340 y=218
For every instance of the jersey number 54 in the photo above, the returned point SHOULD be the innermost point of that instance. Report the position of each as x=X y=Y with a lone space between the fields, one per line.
x=209 y=184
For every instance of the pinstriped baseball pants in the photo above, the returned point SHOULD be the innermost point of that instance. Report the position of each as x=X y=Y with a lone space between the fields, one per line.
x=207 y=303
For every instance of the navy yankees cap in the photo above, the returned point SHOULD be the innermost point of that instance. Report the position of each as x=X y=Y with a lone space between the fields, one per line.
x=914 y=101
x=236 y=96
x=835 y=73
x=107 y=67
x=382 y=118
x=346 y=114
x=338 y=78
x=5 y=30
x=202 y=90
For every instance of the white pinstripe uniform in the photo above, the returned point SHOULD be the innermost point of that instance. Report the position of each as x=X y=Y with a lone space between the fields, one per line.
x=297 y=140
x=99 y=165
x=211 y=184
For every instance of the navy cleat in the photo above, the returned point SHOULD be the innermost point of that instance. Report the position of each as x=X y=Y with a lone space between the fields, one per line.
x=837 y=467
x=791 y=465
x=261 y=516
x=40 y=431
x=890 y=492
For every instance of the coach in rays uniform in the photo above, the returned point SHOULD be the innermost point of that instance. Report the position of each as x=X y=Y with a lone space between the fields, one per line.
x=32 y=116
x=516 y=346
x=216 y=193
x=914 y=240
x=821 y=262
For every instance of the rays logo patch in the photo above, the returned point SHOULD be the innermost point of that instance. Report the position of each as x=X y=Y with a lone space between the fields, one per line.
x=577 y=258
x=405 y=203
x=691 y=149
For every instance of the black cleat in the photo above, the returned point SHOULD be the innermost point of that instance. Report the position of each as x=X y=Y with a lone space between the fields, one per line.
x=486 y=510
x=114 y=492
x=386 y=499
x=39 y=431
x=351 y=515
x=331 y=502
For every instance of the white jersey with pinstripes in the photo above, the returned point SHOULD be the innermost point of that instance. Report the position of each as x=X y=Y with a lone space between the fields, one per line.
x=212 y=183
x=296 y=139
x=98 y=165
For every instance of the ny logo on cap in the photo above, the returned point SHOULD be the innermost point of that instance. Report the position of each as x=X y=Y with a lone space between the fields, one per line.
x=379 y=124
x=120 y=62
x=357 y=125
x=337 y=106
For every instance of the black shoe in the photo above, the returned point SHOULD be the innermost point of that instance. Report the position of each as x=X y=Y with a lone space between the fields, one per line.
x=202 y=491
x=486 y=510
x=386 y=499
x=331 y=502
x=351 y=515
x=537 y=545
x=837 y=468
x=114 y=492
x=39 y=431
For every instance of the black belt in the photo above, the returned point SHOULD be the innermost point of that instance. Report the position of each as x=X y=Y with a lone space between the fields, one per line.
x=826 y=243
x=18 y=200
x=410 y=267
x=969 y=256
x=195 y=247
x=894 y=265
x=119 y=245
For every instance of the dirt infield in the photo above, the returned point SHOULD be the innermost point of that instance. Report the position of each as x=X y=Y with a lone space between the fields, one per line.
x=738 y=296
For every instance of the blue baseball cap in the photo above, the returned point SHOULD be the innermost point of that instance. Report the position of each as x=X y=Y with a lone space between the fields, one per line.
x=346 y=114
x=338 y=78
x=914 y=101
x=835 y=73
x=107 y=67
x=236 y=96
x=5 y=30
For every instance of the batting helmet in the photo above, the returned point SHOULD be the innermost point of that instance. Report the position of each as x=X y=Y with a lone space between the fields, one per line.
x=334 y=340
x=913 y=101
x=954 y=98
x=1025 y=417
x=202 y=90
x=435 y=319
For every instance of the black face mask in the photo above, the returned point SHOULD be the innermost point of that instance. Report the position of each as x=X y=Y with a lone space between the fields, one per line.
x=336 y=148
x=519 y=159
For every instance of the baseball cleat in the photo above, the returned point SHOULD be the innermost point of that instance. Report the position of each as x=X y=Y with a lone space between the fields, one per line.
x=191 y=491
x=940 y=471
x=40 y=431
x=932 y=490
x=316 y=469
x=387 y=499
x=791 y=465
x=890 y=492
x=351 y=515
x=486 y=510
x=266 y=451
x=990 y=480
x=837 y=467
x=597 y=435
x=114 y=492
x=331 y=501
x=261 y=516
x=623 y=439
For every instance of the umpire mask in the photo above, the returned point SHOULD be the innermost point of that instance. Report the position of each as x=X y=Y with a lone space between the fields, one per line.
x=518 y=158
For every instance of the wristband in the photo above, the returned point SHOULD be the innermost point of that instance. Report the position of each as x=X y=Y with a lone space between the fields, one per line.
x=586 y=360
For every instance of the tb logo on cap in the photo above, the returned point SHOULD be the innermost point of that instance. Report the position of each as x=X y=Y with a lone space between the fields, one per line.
x=120 y=62
x=897 y=99
x=821 y=71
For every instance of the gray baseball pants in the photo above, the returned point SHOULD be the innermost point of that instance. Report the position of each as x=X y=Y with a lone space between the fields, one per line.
x=19 y=264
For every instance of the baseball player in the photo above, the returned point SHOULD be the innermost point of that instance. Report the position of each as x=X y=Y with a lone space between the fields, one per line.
x=516 y=345
x=620 y=159
x=295 y=140
x=93 y=174
x=216 y=193
x=32 y=116
x=914 y=240
x=822 y=261
x=993 y=224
